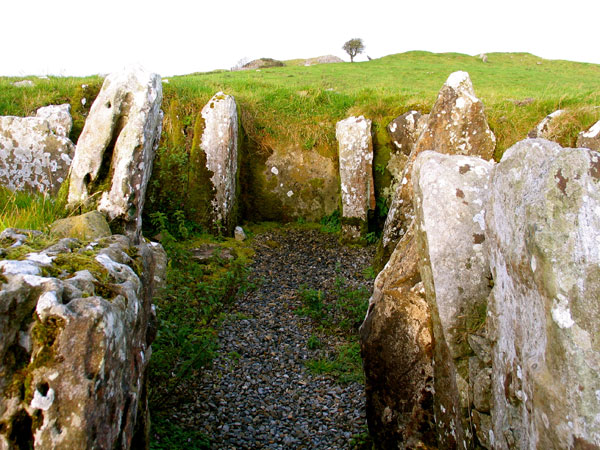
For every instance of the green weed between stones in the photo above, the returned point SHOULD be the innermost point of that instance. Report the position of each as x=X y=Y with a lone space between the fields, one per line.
x=339 y=312
x=189 y=313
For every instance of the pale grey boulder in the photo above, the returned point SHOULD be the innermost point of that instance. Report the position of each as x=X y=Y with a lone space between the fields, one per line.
x=114 y=154
x=456 y=125
x=35 y=152
x=58 y=117
x=543 y=236
x=75 y=348
x=356 y=174
x=590 y=138
x=450 y=193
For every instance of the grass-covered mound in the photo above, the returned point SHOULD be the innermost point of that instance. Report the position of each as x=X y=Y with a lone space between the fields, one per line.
x=297 y=107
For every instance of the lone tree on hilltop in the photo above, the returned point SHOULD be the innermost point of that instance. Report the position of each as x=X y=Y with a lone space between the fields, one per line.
x=353 y=47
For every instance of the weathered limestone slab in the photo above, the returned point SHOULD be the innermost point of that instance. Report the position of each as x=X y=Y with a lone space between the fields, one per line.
x=406 y=129
x=356 y=174
x=543 y=233
x=220 y=145
x=75 y=348
x=450 y=196
x=58 y=117
x=114 y=154
x=35 y=152
x=456 y=125
x=545 y=128
x=397 y=351
x=590 y=138
x=293 y=182
x=87 y=227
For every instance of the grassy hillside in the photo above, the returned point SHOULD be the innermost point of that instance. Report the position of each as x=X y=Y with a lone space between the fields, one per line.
x=299 y=106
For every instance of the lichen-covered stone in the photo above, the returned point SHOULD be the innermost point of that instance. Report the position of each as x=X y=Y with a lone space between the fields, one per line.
x=114 y=154
x=86 y=227
x=543 y=235
x=545 y=129
x=450 y=192
x=456 y=125
x=590 y=138
x=356 y=172
x=290 y=183
x=75 y=347
x=397 y=351
x=58 y=117
x=220 y=145
x=35 y=153
x=406 y=129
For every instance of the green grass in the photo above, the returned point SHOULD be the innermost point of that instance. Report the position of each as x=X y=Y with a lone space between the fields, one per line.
x=340 y=312
x=345 y=365
x=26 y=210
x=299 y=106
x=190 y=310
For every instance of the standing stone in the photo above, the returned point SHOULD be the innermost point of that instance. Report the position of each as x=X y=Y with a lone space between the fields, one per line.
x=239 y=234
x=590 y=138
x=58 y=117
x=220 y=147
x=545 y=129
x=406 y=129
x=456 y=125
x=543 y=233
x=35 y=153
x=356 y=174
x=396 y=347
x=450 y=195
x=114 y=154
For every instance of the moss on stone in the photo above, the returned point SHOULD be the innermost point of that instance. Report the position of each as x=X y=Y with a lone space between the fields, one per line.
x=200 y=188
x=66 y=264
x=317 y=183
x=382 y=150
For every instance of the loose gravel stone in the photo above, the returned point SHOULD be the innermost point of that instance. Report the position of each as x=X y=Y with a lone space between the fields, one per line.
x=258 y=392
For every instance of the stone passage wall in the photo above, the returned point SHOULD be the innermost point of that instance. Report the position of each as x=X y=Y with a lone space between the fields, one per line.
x=114 y=154
x=509 y=262
x=36 y=152
x=76 y=322
x=456 y=125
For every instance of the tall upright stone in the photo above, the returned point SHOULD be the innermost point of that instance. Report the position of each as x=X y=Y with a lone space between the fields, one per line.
x=456 y=125
x=114 y=154
x=450 y=197
x=543 y=233
x=396 y=346
x=215 y=156
x=356 y=174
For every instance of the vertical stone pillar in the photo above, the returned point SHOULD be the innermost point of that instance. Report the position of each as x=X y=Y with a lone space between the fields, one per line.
x=356 y=175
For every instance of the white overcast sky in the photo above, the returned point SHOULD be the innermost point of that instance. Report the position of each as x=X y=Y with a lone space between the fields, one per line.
x=171 y=37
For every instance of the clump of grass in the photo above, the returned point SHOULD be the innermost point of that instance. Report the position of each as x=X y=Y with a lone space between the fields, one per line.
x=27 y=210
x=332 y=223
x=345 y=364
x=314 y=342
x=312 y=303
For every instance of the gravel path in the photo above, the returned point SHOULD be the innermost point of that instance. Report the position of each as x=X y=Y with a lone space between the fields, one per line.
x=258 y=393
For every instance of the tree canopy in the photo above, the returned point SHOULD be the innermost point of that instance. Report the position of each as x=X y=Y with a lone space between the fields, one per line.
x=353 y=47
